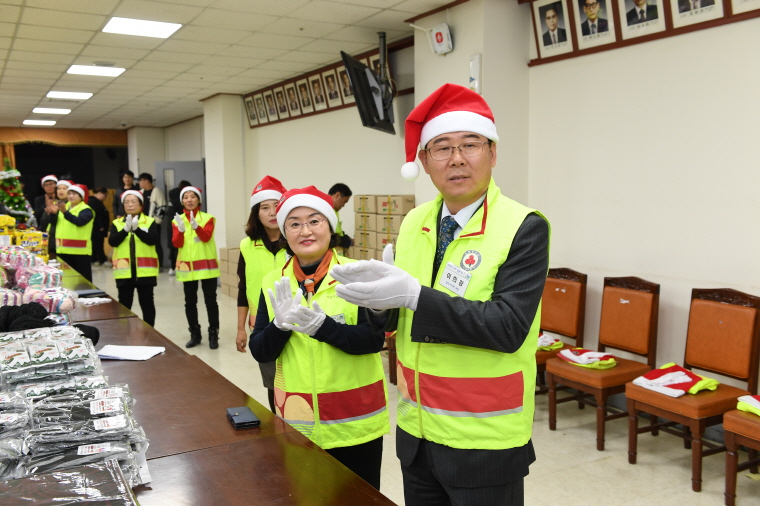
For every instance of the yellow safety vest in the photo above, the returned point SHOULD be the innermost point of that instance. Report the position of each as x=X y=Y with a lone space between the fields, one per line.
x=72 y=239
x=258 y=263
x=454 y=395
x=333 y=398
x=197 y=259
x=145 y=256
x=339 y=224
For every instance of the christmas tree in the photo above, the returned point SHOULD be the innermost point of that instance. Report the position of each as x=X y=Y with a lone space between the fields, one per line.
x=12 y=199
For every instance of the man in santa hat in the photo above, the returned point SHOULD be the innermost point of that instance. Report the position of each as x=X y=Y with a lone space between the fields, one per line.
x=469 y=273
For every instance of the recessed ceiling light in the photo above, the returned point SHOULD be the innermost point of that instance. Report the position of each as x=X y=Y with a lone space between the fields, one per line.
x=127 y=26
x=92 y=70
x=47 y=110
x=38 y=122
x=69 y=94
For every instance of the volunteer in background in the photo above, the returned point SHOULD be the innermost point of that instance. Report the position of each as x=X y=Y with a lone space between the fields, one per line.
x=340 y=195
x=50 y=216
x=135 y=262
x=329 y=382
x=128 y=183
x=73 y=231
x=40 y=202
x=100 y=227
x=260 y=253
x=175 y=206
x=193 y=236
x=154 y=205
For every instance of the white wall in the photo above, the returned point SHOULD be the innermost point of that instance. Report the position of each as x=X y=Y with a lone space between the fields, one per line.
x=644 y=159
x=145 y=147
x=184 y=141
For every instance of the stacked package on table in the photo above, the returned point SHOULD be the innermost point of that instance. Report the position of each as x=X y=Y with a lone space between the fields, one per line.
x=377 y=223
x=228 y=265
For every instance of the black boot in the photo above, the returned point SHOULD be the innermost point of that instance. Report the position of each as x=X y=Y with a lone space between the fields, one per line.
x=195 y=336
x=213 y=338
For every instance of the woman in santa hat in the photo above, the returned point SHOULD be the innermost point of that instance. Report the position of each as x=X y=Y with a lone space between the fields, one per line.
x=49 y=218
x=193 y=236
x=73 y=231
x=135 y=261
x=260 y=253
x=329 y=381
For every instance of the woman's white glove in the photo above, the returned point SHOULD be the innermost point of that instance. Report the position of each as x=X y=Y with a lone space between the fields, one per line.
x=135 y=222
x=193 y=223
x=377 y=285
x=179 y=222
x=305 y=320
x=283 y=301
x=128 y=223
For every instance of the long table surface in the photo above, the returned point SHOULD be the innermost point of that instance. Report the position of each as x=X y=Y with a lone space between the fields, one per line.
x=74 y=281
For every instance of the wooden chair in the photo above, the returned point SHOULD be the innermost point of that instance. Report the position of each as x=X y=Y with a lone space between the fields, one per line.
x=722 y=338
x=740 y=429
x=630 y=310
x=563 y=310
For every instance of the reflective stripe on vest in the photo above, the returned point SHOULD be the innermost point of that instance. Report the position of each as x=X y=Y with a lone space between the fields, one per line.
x=74 y=239
x=147 y=258
x=196 y=259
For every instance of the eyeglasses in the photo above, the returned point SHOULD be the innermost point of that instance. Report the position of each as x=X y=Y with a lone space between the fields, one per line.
x=591 y=6
x=469 y=149
x=312 y=224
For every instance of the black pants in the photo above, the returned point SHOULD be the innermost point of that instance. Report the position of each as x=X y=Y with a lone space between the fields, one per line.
x=144 y=296
x=80 y=263
x=209 y=296
x=98 y=251
x=363 y=459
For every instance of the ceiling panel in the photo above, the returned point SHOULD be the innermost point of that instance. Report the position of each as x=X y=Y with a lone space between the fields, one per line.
x=7 y=29
x=334 y=47
x=9 y=13
x=275 y=40
x=46 y=46
x=173 y=56
x=156 y=11
x=278 y=8
x=62 y=19
x=110 y=53
x=49 y=33
x=301 y=28
x=86 y=6
x=188 y=46
x=388 y=20
x=29 y=56
x=125 y=41
x=210 y=34
x=320 y=10
x=233 y=19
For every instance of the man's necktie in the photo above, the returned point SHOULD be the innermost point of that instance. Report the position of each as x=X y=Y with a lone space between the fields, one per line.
x=448 y=226
x=554 y=38
x=642 y=15
x=593 y=29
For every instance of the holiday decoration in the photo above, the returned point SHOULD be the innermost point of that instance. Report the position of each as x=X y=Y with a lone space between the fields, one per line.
x=12 y=196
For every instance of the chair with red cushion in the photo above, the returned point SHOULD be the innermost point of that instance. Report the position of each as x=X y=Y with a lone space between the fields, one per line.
x=723 y=337
x=743 y=429
x=630 y=309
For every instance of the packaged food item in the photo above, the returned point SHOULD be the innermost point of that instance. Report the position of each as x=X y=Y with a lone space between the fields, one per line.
x=10 y=297
x=54 y=300
x=41 y=276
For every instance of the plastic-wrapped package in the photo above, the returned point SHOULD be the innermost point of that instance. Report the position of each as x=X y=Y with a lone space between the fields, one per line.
x=12 y=402
x=88 y=382
x=72 y=457
x=41 y=333
x=10 y=297
x=54 y=300
x=14 y=362
x=51 y=414
x=6 y=337
x=10 y=423
x=44 y=389
x=38 y=277
x=55 y=437
x=3 y=277
x=119 y=390
x=48 y=360
x=105 y=484
x=17 y=257
x=64 y=331
x=11 y=449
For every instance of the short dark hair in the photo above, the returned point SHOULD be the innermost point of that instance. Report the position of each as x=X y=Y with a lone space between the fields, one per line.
x=183 y=184
x=341 y=188
x=128 y=173
x=101 y=190
x=146 y=176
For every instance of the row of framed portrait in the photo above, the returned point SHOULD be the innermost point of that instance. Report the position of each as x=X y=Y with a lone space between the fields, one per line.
x=327 y=88
x=594 y=23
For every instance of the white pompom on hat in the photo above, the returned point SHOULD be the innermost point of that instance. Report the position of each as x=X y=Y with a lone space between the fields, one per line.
x=450 y=108
x=136 y=193
x=49 y=177
x=193 y=189
x=80 y=189
x=268 y=188
x=306 y=197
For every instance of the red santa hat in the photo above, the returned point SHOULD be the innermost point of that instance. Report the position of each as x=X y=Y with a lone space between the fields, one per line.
x=49 y=177
x=64 y=182
x=267 y=189
x=136 y=193
x=450 y=108
x=80 y=189
x=306 y=197
x=186 y=189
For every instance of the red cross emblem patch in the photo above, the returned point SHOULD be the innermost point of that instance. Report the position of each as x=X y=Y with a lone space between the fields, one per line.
x=470 y=260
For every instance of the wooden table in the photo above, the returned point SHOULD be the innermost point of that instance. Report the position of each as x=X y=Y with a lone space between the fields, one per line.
x=73 y=281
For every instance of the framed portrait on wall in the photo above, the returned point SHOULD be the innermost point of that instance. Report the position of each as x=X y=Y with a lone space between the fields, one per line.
x=304 y=96
x=291 y=99
x=282 y=106
x=317 y=92
x=270 y=106
x=260 y=108
x=346 y=90
x=689 y=12
x=552 y=26
x=250 y=110
x=331 y=89
x=593 y=23
x=641 y=17
x=739 y=6
x=374 y=65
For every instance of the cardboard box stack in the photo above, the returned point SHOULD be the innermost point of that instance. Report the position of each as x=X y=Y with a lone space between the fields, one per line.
x=228 y=265
x=377 y=222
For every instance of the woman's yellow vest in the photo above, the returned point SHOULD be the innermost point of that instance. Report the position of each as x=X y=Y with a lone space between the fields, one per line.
x=333 y=398
x=460 y=396
x=259 y=262
x=72 y=239
x=197 y=259
x=145 y=256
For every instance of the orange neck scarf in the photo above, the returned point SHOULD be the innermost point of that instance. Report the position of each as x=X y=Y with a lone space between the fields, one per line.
x=310 y=282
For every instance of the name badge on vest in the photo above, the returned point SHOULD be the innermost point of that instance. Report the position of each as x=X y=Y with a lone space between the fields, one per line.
x=339 y=318
x=455 y=279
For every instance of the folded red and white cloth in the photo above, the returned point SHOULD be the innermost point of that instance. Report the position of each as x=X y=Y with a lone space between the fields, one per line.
x=548 y=342
x=675 y=381
x=589 y=359
x=749 y=403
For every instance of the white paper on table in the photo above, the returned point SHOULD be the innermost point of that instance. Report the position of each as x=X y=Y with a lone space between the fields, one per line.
x=116 y=352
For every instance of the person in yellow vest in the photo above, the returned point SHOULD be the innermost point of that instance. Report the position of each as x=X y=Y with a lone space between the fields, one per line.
x=49 y=218
x=135 y=261
x=329 y=381
x=260 y=253
x=341 y=194
x=193 y=236
x=469 y=273
x=73 y=231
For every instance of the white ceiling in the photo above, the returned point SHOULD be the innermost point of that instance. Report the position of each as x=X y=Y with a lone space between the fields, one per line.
x=224 y=46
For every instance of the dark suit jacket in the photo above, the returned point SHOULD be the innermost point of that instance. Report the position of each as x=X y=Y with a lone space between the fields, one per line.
x=319 y=99
x=633 y=14
x=332 y=95
x=601 y=26
x=102 y=219
x=39 y=207
x=685 y=5
x=561 y=37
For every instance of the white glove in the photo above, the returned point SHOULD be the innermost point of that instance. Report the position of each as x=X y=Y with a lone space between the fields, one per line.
x=179 y=222
x=193 y=223
x=305 y=320
x=282 y=301
x=377 y=285
x=128 y=223
x=135 y=222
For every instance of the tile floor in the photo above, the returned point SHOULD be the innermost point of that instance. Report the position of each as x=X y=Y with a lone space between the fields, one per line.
x=568 y=470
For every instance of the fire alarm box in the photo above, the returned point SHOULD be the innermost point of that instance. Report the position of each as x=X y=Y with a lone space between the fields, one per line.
x=441 y=39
